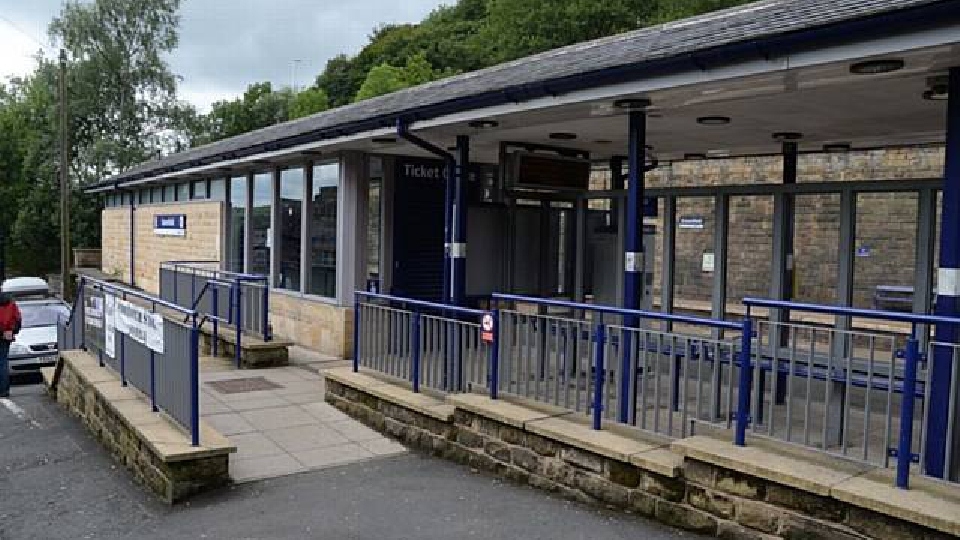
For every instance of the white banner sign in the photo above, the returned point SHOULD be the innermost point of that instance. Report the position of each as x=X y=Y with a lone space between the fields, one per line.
x=109 y=316
x=140 y=324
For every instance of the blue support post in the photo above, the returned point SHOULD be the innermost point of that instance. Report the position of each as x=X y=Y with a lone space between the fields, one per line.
x=266 y=312
x=633 y=248
x=495 y=356
x=448 y=231
x=238 y=325
x=948 y=297
x=215 y=292
x=458 y=243
x=195 y=383
x=123 y=362
x=743 y=383
x=415 y=352
x=599 y=373
x=153 y=382
x=904 y=450
x=356 y=333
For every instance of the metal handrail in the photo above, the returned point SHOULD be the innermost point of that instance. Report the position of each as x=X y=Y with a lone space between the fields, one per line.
x=219 y=272
x=896 y=316
x=420 y=303
x=670 y=317
x=109 y=286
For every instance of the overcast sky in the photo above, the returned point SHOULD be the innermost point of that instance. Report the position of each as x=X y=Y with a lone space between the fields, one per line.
x=227 y=44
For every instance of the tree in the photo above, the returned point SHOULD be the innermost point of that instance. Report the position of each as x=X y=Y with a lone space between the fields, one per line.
x=385 y=78
x=309 y=101
x=336 y=80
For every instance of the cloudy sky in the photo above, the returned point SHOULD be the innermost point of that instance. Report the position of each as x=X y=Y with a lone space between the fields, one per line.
x=227 y=44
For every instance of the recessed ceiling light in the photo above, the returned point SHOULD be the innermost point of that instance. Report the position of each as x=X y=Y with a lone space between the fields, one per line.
x=875 y=67
x=563 y=136
x=836 y=148
x=713 y=120
x=484 y=124
x=787 y=136
x=602 y=141
x=694 y=157
x=384 y=140
x=632 y=104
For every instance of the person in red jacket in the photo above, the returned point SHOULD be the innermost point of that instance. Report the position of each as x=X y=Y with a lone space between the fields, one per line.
x=10 y=321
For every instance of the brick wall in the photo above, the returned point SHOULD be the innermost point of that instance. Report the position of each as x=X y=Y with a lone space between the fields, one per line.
x=886 y=223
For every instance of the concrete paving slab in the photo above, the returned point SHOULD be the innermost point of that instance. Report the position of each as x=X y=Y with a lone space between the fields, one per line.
x=332 y=455
x=303 y=438
x=245 y=470
x=325 y=412
x=283 y=375
x=255 y=444
x=258 y=404
x=355 y=431
x=382 y=447
x=230 y=423
x=210 y=406
x=303 y=399
x=300 y=387
x=278 y=417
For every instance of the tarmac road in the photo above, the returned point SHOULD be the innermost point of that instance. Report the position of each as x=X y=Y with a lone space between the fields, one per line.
x=57 y=482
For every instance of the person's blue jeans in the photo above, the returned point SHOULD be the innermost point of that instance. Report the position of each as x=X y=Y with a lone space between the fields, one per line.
x=4 y=368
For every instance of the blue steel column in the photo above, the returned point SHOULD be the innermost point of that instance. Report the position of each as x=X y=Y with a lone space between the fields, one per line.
x=458 y=243
x=948 y=295
x=633 y=248
x=448 y=197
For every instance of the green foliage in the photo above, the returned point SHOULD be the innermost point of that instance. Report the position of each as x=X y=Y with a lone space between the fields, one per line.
x=309 y=101
x=259 y=107
x=384 y=79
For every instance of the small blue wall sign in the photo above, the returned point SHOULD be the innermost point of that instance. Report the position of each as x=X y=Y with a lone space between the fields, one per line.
x=170 y=224
x=863 y=251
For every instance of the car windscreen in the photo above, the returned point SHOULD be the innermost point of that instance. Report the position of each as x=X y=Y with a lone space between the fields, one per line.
x=43 y=314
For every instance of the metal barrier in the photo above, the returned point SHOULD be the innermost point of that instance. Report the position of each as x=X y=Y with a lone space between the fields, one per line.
x=845 y=392
x=233 y=298
x=431 y=345
x=663 y=381
x=167 y=372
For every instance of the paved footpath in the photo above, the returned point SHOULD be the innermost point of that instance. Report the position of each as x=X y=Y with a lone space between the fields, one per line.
x=56 y=482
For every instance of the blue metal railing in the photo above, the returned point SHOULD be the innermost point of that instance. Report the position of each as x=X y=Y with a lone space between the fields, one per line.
x=842 y=367
x=170 y=379
x=188 y=284
x=426 y=343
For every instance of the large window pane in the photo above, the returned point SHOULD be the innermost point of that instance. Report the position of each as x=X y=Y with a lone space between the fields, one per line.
x=261 y=241
x=200 y=189
x=374 y=219
x=156 y=194
x=323 y=230
x=291 y=220
x=237 y=213
x=169 y=193
x=183 y=191
x=218 y=189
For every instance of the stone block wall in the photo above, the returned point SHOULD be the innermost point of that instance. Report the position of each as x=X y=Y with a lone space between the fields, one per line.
x=171 y=481
x=203 y=239
x=115 y=242
x=705 y=499
x=316 y=324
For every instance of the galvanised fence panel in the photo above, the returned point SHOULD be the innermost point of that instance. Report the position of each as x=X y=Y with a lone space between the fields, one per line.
x=240 y=300
x=169 y=379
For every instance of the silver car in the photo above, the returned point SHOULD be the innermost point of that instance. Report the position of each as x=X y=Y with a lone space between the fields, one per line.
x=36 y=344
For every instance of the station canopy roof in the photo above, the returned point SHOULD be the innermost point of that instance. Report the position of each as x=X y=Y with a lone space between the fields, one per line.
x=868 y=73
